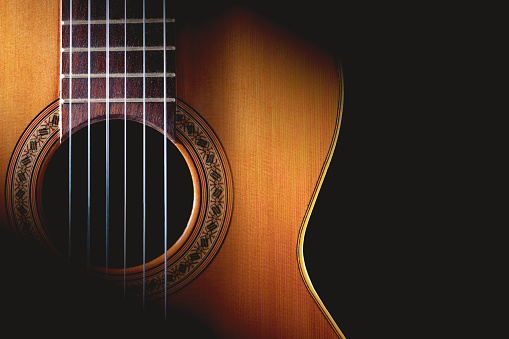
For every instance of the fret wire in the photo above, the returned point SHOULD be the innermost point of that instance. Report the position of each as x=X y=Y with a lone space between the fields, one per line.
x=118 y=49
x=115 y=21
x=117 y=75
x=116 y=100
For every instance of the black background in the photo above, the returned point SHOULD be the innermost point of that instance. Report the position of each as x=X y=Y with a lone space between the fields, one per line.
x=390 y=232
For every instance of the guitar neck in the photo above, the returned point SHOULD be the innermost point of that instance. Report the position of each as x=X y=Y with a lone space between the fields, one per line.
x=121 y=63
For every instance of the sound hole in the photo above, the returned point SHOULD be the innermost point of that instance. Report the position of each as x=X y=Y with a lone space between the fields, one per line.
x=55 y=196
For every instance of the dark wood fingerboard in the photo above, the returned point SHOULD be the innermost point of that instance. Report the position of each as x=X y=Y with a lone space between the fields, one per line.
x=126 y=72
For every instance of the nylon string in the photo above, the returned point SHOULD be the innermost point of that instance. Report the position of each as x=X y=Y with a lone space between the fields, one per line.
x=125 y=142
x=144 y=153
x=88 y=133
x=107 y=169
x=70 y=122
x=164 y=164
x=107 y=131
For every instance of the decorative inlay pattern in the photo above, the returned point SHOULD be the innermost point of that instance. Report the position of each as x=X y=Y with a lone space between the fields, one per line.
x=22 y=175
x=208 y=231
x=216 y=207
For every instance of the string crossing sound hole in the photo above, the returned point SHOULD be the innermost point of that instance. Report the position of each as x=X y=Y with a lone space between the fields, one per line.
x=55 y=201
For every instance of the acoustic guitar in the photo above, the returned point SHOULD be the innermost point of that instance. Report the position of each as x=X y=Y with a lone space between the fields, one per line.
x=177 y=159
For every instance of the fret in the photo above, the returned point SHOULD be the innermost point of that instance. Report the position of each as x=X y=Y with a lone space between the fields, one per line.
x=118 y=75
x=118 y=49
x=116 y=21
x=134 y=109
x=153 y=36
x=154 y=87
x=115 y=100
x=134 y=62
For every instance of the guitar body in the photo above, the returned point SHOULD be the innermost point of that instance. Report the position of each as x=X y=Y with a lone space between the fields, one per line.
x=273 y=100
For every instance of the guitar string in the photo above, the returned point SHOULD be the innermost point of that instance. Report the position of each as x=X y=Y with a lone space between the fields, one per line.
x=165 y=157
x=88 y=133
x=125 y=142
x=107 y=132
x=144 y=155
x=70 y=123
x=107 y=137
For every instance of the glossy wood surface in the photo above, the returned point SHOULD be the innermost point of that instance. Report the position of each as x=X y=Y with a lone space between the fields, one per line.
x=29 y=69
x=272 y=99
x=274 y=106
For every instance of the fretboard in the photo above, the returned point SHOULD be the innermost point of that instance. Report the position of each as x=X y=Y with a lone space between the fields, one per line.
x=118 y=63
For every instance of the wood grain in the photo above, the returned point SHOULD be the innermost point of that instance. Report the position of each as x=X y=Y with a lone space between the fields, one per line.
x=29 y=68
x=272 y=99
